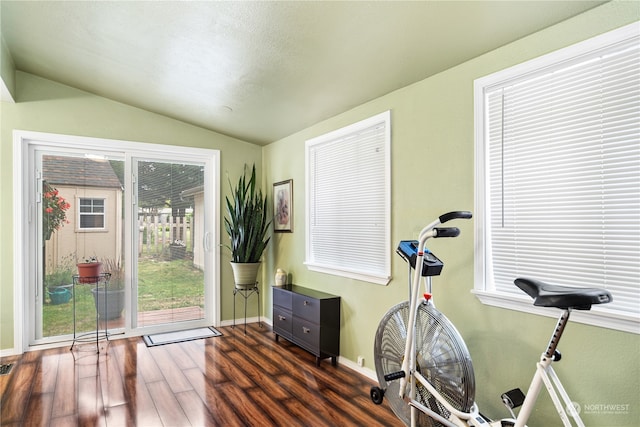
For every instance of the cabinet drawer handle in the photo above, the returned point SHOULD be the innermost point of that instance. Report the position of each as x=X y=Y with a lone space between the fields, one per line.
x=306 y=303
x=306 y=330
x=281 y=317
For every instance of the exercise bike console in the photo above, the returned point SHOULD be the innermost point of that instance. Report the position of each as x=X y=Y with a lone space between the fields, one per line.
x=408 y=250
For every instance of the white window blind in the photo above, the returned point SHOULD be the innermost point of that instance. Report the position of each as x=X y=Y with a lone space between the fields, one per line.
x=562 y=176
x=348 y=189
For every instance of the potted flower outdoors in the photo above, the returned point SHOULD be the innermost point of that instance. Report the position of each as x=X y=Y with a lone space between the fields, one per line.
x=109 y=296
x=54 y=210
x=89 y=270
x=58 y=283
x=247 y=224
x=177 y=250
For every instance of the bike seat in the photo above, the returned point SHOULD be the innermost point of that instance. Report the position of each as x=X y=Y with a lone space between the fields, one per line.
x=564 y=297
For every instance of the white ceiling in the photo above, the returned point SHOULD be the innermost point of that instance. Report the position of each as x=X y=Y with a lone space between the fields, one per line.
x=260 y=71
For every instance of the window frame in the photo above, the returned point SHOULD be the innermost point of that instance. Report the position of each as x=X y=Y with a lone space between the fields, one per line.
x=484 y=289
x=341 y=135
x=80 y=228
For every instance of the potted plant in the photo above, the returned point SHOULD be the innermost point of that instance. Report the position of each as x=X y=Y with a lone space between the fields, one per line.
x=109 y=296
x=58 y=283
x=247 y=224
x=177 y=250
x=89 y=270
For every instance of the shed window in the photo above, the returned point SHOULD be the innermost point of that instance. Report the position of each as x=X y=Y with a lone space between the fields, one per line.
x=92 y=213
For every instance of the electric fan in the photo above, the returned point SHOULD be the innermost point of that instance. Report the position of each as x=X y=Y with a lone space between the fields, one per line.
x=441 y=357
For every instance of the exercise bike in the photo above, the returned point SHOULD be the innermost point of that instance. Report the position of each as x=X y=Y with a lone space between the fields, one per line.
x=423 y=365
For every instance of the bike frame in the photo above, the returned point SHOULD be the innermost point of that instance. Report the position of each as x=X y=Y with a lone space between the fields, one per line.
x=544 y=374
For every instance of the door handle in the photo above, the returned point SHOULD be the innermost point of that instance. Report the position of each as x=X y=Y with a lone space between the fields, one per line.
x=205 y=242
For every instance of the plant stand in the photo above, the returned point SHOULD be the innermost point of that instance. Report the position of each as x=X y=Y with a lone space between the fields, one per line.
x=246 y=292
x=99 y=281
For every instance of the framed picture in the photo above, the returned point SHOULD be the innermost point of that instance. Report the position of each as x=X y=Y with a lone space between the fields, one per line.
x=283 y=206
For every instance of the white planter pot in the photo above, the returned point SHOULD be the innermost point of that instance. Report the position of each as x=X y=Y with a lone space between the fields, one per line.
x=245 y=274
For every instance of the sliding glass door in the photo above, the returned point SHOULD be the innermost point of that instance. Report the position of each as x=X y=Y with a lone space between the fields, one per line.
x=80 y=217
x=170 y=213
x=145 y=213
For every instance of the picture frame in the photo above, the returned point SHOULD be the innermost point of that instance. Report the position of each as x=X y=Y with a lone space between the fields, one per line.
x=283 y=206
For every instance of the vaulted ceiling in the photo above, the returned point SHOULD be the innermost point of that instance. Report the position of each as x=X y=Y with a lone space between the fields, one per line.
x=259 y=71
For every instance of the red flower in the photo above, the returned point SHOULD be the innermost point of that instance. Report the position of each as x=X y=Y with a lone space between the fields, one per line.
x=54 y=207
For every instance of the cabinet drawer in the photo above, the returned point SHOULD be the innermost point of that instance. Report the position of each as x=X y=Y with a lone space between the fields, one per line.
x=307 y=332
x=282 y=297
x=306 y=307
x=282 y=322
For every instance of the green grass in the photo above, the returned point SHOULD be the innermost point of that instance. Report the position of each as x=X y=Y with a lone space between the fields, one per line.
x=161 y=285
x=58 y=319
x=169 y=284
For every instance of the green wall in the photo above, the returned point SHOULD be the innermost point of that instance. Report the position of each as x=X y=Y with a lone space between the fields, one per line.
x=433 y=142
x=46 y=106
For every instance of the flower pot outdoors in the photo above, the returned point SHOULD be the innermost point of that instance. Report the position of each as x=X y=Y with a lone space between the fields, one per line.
x=177 y=252
x=59 y=295
x=88 y=272
x=109 y=303
x=245 y=274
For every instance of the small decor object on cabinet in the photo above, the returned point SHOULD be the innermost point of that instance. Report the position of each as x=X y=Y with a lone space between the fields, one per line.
x=283 y=206
x=281 y=277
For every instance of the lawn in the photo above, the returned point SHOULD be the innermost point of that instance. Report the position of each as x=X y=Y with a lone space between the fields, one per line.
x=162 y=285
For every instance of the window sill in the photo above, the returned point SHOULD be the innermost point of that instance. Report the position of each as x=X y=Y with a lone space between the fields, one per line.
x=597 y=316
x=365 y=277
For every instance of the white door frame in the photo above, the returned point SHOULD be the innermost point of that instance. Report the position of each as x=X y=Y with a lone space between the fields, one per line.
x=24 y=213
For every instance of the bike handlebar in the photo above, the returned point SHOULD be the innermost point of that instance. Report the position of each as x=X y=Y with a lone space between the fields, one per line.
x=455 y=215
x=447 y=232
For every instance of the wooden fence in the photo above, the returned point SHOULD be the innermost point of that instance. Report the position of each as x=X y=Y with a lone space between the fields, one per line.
x=157 y=232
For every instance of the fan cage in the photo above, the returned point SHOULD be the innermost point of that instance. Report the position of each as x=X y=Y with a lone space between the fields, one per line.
x=441 y=357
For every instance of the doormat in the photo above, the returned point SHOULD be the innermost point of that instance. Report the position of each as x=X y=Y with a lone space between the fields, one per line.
x=180 y=336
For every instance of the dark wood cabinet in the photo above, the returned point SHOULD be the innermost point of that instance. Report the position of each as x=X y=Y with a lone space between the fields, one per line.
x=308 y=318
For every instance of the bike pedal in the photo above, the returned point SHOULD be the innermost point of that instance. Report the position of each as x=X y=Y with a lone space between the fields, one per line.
x=394 y=376
x=513 y=398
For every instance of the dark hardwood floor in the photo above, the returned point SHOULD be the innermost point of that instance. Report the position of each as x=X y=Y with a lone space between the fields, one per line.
x=232 y=380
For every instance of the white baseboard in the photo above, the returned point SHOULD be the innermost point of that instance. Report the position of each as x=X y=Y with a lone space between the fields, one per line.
x=10 y=352
x=359 y=369
x=240 y=322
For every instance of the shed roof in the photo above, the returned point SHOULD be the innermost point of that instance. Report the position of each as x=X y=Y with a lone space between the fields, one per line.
x=79 y=171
